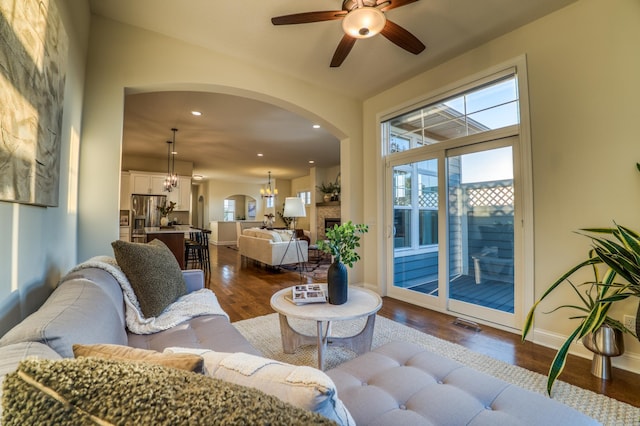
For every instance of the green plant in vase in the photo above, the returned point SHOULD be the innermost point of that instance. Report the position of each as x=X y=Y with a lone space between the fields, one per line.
x=330 y=190
x=165 y=210
x=620 y=254
x=341 y=243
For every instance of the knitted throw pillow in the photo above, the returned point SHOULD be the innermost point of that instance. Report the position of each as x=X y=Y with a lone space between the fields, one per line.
x=101 y=391
x=183 y=361
x=153 y=272
x=302 y=386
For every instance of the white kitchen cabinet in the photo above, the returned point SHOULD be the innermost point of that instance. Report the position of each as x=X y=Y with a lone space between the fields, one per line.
x=146 y=183
x=174 y=196
x=157 y=184
x=153 y=183
x=184 y=184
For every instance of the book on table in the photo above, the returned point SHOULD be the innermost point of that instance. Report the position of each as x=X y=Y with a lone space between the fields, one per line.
x=307 y=293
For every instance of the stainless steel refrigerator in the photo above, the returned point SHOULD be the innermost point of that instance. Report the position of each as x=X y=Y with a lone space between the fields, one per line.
x=145 y=213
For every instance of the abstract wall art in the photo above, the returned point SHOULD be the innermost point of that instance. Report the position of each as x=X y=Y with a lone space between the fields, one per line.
x=33 y=56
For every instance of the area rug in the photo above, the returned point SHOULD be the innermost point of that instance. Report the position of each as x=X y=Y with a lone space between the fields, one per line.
x=264 y=334
x=316 y=270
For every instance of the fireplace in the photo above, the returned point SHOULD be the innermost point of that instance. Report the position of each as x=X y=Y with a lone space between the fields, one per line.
x=327 y=216
x=329 y=222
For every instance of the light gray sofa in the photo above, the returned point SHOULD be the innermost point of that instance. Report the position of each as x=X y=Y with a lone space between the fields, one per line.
x=271 y=247
x=399 y=383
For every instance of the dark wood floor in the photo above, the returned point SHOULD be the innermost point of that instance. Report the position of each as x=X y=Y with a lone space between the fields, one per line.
x=244 y=290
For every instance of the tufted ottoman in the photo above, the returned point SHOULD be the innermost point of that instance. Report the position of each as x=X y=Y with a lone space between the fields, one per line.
x=401 y=383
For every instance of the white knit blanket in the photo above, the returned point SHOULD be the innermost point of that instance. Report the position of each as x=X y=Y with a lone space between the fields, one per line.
x=194 y=304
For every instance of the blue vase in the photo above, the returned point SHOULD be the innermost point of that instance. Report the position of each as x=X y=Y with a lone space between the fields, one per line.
x=337 y=283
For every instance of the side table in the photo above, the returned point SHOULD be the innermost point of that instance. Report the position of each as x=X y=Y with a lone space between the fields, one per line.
x=361 y=303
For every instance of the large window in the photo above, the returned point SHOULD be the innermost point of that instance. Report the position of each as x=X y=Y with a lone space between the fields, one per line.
x=306 y=197
x=229 y=210
x=488 y=107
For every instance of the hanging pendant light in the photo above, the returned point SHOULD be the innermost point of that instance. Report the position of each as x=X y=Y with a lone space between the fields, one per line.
x=269 y=192
x=174 y=152
x=167 y=180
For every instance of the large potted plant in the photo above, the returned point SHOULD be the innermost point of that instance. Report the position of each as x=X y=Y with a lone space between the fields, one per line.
x=341 y=243
x=618 y=250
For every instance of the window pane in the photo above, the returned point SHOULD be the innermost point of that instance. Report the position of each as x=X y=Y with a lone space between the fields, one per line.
x=499 y=93
x=481 y=208
x=491 y=107
x=428 y=227
x=495 y=118
x=401 y=228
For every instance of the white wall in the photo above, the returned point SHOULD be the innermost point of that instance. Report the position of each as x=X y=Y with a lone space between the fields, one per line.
x=125 y=57
x=583 y=70
x=38 y=244
x=302 y=184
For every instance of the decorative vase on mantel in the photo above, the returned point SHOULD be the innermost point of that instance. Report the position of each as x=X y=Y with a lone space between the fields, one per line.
x=605 y=342
x=337 y=283
x=326 y=198
x=164 y=220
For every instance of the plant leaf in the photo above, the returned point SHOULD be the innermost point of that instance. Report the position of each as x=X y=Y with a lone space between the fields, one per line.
x=559 y=361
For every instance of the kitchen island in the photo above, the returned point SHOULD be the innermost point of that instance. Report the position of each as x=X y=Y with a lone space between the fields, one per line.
x=173 y=237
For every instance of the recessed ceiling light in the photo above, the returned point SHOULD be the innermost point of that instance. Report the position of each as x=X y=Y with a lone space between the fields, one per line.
x=316 y=126
x=260 y=154
x=311 y=162
x=196 y=113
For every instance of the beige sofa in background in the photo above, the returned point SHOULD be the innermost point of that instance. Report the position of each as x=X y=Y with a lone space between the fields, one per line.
x=272 y=247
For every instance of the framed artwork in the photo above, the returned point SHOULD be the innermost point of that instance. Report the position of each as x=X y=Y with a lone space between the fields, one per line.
x=33 y=56
x=251 y=210
x=124 y=217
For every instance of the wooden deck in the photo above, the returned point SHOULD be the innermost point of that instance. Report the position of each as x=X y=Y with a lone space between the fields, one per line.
x=490 y=293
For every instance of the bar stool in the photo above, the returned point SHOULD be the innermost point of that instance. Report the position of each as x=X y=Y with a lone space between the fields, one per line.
x=197 y=250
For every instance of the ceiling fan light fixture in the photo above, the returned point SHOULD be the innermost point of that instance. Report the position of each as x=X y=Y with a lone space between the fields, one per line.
x=363 y=22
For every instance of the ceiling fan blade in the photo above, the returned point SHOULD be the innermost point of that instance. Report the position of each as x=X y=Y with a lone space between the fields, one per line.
x=401 y=37
x=343 y=49
x=308 y=17
x=392 y=4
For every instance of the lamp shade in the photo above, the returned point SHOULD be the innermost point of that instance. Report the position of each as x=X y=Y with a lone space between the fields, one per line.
x=294 y=207
x=363 y=22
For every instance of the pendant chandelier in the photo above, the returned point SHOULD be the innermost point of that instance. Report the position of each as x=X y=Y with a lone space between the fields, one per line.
x=171 y=181
x=269 y=192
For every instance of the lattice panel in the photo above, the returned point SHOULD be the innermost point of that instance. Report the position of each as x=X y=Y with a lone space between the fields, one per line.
x=491 y=196
x=428 y=200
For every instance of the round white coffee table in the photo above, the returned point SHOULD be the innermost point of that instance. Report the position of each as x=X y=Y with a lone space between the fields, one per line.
x=360 y=303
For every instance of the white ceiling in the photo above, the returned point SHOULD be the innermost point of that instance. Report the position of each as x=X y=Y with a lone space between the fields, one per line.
x=224 y=142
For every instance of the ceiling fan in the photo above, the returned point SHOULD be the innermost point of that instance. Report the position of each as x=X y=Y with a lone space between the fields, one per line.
x=360 y=19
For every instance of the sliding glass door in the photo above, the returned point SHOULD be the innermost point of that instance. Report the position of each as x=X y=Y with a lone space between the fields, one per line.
x=480 y=231
x=415 y=226
x=453 y=230
x=458 y=200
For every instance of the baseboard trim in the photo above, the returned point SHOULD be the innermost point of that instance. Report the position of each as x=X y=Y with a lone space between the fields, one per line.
x=629 y=361
x=224 y=243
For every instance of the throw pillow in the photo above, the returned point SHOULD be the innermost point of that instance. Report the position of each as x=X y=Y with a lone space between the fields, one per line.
x=102 y=391
x=188 y=362
x=153 y=272
x=304 y=387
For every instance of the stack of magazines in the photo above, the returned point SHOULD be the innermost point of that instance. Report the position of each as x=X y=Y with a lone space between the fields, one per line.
x=307 y=293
